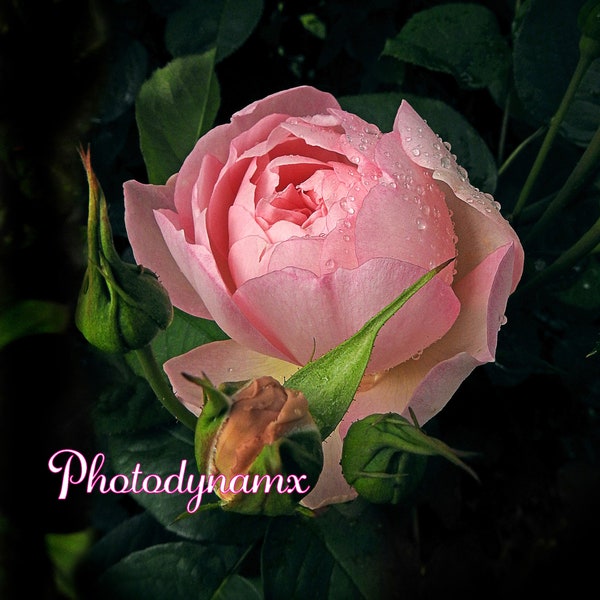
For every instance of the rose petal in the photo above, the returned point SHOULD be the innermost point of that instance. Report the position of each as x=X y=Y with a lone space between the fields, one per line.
x=198 y=265
x=335 y=306
x=220 y=362
x=331 y=486
x=428 y=383
x=149 y=246
x=426 y=149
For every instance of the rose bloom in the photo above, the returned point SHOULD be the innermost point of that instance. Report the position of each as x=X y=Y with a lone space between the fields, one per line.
x=295 y=223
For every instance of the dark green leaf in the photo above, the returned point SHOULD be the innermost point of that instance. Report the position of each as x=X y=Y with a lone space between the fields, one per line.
x=32 y=317
x=472 y=152
x=172 y=571
x=332 y=556
x=585 y=292
x=185 y=333
x=175 y=107
x=583 y=117
x=236 y=588
x=545 y=55
x=460 y=39
x=223 y=25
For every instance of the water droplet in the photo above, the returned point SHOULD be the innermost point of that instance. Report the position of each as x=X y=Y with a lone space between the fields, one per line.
x=445 y=162
x=351 y=198
x=421 y=224
x=416 y=152
x=351 y=210
x=448 y=146
x=417 y=355
x=330 y=263
x=425 y=209
x=346 y=238
x=355 y=159
x=347 y=224
x=230 y=369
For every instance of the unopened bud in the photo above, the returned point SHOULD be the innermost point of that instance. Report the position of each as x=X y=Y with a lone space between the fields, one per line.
x=264 y=442
x=121 y=306
x=384 y=457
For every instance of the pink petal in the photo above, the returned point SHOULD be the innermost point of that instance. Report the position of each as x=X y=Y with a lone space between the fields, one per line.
x=309 y=315
x=198 y=265
x=406 y=224
x=428 y=383
x=220 y=362
x=331 y=487
x=426 y=149
x=149 y=246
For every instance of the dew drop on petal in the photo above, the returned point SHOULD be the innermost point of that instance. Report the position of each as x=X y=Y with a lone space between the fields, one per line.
x=421 y=224
x=416 y=151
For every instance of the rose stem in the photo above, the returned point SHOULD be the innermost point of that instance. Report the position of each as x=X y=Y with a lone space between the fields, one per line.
x=586 y=57
x=577 y=180
x=160 y=386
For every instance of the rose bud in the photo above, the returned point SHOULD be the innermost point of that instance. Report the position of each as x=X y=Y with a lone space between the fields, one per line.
x=121 y=306
x=384 y=457
x=263 y=429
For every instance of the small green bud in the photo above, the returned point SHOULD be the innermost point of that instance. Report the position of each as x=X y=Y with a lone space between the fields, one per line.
x=121 y=306
x=261 y=429
x=384 y=457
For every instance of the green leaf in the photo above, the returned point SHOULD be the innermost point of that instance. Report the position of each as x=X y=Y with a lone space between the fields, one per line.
x=545 y=54
x=472 y=152
x=330 y=382
x=185 y=333
x=585 y=292
x=175 y=107
x=172 y=571
x=65 y=550
x=237 y=587
x=460 y=39
x=32 y=317
x=582 y=118
x=223 y=25
x=347 y=556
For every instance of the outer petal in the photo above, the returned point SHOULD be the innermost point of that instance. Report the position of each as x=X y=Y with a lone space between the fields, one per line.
x=331 y=488
x=427 y=150
x=149 y=246
x=221 y=361
x=310 y=314
x=428 y=383
x=197 y=264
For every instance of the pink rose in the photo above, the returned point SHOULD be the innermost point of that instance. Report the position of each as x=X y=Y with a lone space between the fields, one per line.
x=294 y=223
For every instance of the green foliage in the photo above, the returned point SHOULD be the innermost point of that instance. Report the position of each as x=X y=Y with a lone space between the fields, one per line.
x=176 y=106
x=222 y=25
x=32 y=317
x=463 y=40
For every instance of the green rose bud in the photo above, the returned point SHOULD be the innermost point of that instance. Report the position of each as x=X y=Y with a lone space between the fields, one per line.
x=121 y=306
x=250 y=430
x=384 y=457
